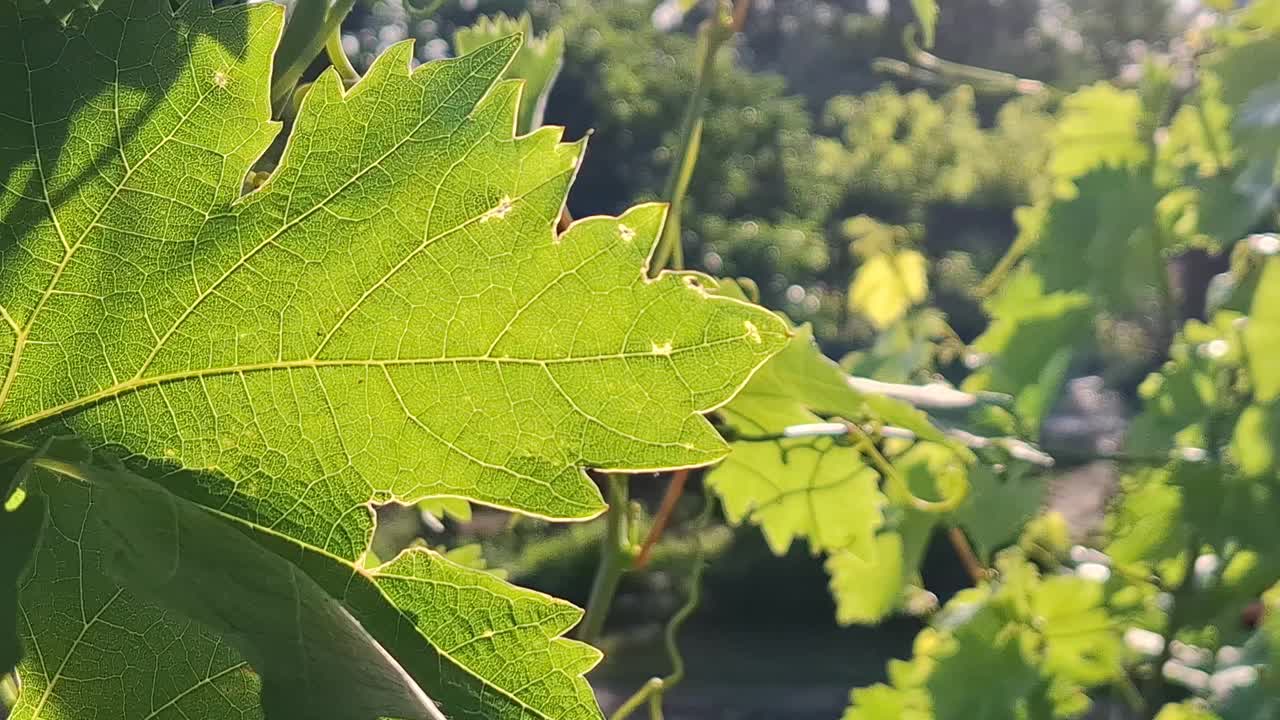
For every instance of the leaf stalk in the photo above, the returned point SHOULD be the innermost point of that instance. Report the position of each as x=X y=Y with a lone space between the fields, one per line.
x=615 y=559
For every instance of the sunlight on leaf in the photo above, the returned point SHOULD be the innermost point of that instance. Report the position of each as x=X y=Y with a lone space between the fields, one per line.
x=390 y=317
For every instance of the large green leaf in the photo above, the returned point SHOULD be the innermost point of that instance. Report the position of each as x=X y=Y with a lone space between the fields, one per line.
x=389 y=317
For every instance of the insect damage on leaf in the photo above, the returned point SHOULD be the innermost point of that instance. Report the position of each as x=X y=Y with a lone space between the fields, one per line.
x=389 y=316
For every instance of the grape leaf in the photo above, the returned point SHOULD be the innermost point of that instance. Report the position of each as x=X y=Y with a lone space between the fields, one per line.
x=1102 y=241
x=314 y=658
x=887 y=285
x=536 y=63
x=1033 y=645
x=1028 y=328
x=867 y=587
x=805 y=487
x=800 y=487
x=998 y=507
x=389 y=317
x=1262 y=334
x=1099 y=127
x=1179 y=400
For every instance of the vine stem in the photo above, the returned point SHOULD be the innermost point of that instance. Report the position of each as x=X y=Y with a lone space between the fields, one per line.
x=338 y=57
x=292 y=67
x=616 y=550
x=653 y=690
x=940 y=70
x=615 y=558
x=714 y=31
x=968 y=558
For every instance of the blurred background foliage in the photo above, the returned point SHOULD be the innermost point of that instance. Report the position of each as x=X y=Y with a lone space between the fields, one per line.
x=870 y=197
x=804 y=136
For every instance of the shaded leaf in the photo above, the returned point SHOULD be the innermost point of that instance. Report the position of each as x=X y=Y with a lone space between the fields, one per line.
x=1028 y=329
x=315 y=660
x=20 y=530
x=998 y=506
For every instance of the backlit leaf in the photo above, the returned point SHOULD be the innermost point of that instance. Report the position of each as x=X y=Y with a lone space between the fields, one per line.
x=391 y=316
x=537 y=62
x=887 y=285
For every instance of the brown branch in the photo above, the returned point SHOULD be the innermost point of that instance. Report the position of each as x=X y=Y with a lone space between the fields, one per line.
x=968 y=558
x=740 y=10
x=674 y=490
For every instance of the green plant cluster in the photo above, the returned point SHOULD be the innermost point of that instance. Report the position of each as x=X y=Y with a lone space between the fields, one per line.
x=210 y=381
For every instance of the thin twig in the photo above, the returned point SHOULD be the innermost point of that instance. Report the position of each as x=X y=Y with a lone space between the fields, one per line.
x=714 y=31
x=675 y=489
x=968 y=558
x=653 y=690
x=1018 y=449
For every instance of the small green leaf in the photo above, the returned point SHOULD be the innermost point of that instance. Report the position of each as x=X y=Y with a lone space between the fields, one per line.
x=537 y=62
x=868 y=586
x=887 y=285
x=1100 y=126
x=1262 y=334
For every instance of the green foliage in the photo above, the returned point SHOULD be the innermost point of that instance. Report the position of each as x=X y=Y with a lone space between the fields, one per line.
x=1031 y=644
x=210 y=381
x=389 y=317
x=314 y=659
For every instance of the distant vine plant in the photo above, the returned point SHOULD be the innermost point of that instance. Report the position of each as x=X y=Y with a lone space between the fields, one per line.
x=240 y=308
